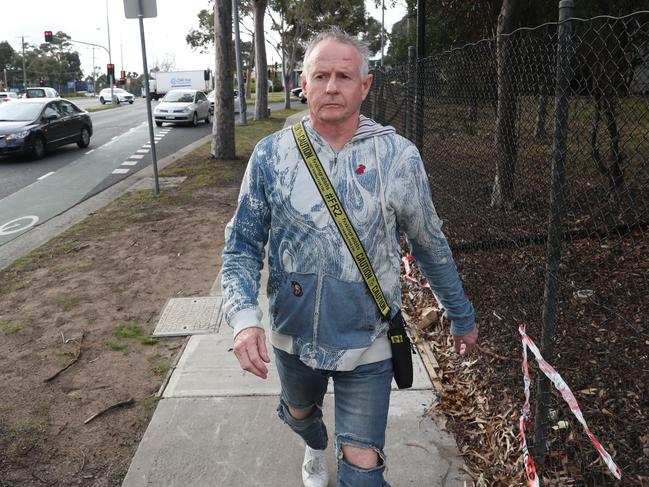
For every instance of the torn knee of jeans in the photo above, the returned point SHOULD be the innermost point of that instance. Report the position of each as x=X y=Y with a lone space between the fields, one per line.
x=286 y=416
x=349 y=440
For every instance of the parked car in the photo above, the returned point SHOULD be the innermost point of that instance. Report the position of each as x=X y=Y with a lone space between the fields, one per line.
x=297 y=92
x=41 y=92
x=183 y=106
x=32 y=126
x=119 y=95
x=7 y=96
x=237 y=105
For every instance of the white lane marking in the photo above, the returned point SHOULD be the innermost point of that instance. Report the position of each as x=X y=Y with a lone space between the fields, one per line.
x=120 y=171
x=136 y=156
x=142 y=151
x=129 y=163
x=45 y=175
x=90 y=151
x=13 y=226
x=116 y=137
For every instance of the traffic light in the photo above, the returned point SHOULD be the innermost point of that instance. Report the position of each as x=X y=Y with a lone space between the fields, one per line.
x=110 y=69
x=48 y=36
x=41 y=82
x=275 y=66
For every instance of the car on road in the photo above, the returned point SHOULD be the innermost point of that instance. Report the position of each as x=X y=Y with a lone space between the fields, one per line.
x=183 y=106
x=119 y=95
x=35 y=125
x=40 y=92
x=237 y=105
x=7 y=96
x=297 y=92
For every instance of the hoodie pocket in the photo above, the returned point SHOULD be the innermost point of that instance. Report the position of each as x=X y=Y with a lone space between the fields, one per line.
x=293 y=306
x=348 y=315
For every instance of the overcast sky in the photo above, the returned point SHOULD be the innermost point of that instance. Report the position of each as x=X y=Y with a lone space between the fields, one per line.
x=85 y=20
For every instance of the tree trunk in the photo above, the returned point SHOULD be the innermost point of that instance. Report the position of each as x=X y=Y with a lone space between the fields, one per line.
x=506 y=138
x=223 y=146
x=286 y=76
x=251 y=66
x=261 y=65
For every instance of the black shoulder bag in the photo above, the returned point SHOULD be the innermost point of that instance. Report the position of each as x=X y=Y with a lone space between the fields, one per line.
x=399 y=340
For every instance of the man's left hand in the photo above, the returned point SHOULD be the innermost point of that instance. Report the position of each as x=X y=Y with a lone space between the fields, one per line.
x=465 y=344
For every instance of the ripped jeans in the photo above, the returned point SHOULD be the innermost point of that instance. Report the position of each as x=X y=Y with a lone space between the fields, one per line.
x=362 y=399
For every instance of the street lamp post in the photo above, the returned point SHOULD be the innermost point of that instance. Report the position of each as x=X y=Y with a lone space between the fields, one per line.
x=110 y=59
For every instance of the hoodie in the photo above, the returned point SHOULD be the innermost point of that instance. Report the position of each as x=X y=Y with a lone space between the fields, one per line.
x=319 y=306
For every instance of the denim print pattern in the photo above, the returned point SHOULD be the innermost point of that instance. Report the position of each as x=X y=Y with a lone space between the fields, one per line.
x=280 y=204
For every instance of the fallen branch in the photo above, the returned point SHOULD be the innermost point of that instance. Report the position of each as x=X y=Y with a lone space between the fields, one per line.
x=74 y=360
x=493 y=354
x=129 y=402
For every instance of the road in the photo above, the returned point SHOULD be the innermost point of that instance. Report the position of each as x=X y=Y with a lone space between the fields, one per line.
x=31 y=192
x=34 y=191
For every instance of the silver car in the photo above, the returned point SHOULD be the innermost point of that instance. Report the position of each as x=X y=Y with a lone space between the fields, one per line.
x=210 y=97
x=183 y=106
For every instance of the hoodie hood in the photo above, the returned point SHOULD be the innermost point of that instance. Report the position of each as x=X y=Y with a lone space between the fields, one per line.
x=366 y=128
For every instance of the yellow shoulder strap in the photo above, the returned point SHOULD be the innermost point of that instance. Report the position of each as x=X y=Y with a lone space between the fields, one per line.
x=340 y=217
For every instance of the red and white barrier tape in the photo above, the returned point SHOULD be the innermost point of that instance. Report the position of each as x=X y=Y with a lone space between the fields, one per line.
x=568 y=396
x=408 y=272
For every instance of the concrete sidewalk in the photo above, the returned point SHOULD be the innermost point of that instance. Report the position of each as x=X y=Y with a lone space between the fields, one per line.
x=216 y=425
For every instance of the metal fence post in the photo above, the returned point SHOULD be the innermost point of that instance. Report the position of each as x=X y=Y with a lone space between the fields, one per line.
x=419 y=107
x=553 y=250
x=411 y=86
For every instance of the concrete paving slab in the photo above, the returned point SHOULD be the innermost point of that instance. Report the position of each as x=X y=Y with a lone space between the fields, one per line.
x=188 y=316
x=208 y=367
x=239 y=441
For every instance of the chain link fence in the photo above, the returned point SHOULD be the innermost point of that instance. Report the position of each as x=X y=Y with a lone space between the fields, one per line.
x=541 y=175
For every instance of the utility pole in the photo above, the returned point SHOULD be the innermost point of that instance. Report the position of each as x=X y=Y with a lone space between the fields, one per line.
x=382 y=29
x=110 y=59
x=24 y=68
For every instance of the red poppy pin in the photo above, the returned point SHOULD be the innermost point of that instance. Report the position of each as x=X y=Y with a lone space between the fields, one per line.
x=360 y=169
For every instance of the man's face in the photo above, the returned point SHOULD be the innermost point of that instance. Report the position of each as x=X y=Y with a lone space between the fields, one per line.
x=333 y=85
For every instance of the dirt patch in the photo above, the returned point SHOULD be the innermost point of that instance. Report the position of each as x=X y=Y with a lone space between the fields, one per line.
x=91 y=298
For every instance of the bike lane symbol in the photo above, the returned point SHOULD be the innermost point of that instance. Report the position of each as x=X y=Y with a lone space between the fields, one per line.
x=18 y=224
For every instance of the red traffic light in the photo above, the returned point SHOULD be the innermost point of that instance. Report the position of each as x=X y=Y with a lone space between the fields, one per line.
x=48 y=36
x=41 y=82
x=110 y=69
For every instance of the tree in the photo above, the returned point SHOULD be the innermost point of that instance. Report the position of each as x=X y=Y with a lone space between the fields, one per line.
x=202 y=38
x=7 y=55
x=502 y=193
x=223 y=146
x=168 y=63
x=290 y=27
x=296 y=21
x=261 y=78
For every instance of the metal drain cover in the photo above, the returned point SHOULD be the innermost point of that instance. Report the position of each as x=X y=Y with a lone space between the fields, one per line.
x=189 y=316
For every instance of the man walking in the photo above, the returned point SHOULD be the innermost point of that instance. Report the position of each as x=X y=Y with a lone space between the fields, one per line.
x=324 y=321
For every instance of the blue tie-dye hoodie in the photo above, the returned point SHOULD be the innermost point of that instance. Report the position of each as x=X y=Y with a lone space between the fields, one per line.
x=320 y=308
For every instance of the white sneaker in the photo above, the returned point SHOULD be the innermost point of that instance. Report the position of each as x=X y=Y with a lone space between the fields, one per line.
x=314 y=468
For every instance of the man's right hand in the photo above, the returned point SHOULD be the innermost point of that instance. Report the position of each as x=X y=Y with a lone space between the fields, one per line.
x=250 y=349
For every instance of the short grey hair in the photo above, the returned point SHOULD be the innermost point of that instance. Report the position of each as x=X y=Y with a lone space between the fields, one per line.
x=338 y=35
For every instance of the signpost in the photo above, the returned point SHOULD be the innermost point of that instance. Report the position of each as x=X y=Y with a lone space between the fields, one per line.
x=140 y=9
